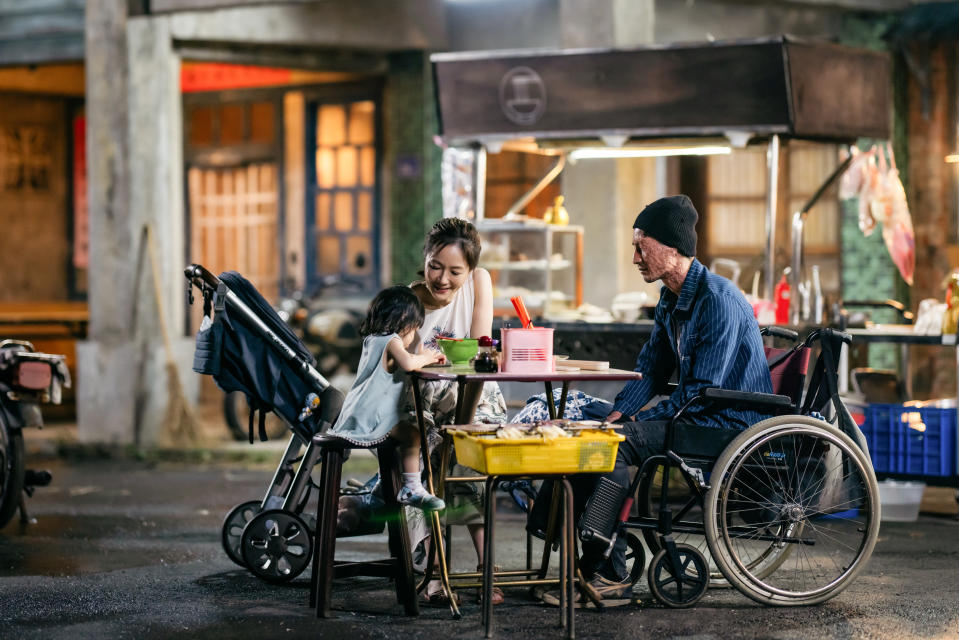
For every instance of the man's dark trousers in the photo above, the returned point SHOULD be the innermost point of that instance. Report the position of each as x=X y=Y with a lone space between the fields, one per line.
x=643 y=439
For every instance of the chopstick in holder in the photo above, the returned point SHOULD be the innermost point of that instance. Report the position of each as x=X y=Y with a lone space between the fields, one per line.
x=522 y=312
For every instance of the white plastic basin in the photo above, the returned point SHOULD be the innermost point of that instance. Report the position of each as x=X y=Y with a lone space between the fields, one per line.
x=900 y=500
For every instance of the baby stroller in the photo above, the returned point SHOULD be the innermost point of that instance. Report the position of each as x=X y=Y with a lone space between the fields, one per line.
x=246 y=347
x=786 y=511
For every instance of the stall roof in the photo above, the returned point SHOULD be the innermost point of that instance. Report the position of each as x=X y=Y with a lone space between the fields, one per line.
x=787 y=86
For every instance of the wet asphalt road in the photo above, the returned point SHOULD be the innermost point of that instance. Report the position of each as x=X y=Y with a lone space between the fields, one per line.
x=126 y=549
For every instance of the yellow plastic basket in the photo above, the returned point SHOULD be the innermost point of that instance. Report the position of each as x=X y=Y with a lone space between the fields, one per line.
x=591 y=451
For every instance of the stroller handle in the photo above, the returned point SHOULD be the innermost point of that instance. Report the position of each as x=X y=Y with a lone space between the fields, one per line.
x=201 y=278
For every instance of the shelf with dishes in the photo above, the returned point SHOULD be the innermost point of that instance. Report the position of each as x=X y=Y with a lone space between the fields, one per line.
x=542 y=263
x=534 y=300
x=555 y=263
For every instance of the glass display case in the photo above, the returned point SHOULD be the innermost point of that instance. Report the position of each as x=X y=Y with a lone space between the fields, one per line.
x=541 y=262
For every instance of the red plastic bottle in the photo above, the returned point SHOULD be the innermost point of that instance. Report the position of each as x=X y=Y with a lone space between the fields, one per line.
x=781 y=295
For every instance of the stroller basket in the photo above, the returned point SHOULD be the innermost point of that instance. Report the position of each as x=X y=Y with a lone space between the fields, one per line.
x=248 y=348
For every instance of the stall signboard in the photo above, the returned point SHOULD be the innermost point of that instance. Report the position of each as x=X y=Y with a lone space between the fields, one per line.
x=781 y=86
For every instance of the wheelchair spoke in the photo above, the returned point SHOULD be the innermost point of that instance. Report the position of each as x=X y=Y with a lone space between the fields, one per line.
x=792 y=517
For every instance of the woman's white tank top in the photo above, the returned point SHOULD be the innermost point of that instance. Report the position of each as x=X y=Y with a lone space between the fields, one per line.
x=452 y=321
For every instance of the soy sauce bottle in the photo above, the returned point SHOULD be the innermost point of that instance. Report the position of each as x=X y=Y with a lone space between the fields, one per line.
x=484 y=362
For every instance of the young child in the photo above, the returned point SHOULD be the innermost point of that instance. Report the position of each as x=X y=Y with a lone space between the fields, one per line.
x=370 y=411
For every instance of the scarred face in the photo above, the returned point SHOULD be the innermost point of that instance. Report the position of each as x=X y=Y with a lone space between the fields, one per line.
x=651 y=257
x=446 y=271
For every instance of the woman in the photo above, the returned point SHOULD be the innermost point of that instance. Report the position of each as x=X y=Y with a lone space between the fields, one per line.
x=458 y=299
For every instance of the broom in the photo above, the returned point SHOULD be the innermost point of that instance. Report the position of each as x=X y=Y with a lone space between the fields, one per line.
x=179 y=423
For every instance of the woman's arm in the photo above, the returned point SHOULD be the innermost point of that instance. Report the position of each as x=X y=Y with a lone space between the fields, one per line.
x=482 y=304
x=411 y=361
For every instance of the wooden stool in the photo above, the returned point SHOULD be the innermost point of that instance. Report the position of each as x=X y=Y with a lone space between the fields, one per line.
x=399 y=566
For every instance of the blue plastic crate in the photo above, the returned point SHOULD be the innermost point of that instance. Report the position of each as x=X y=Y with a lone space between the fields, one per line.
x=920 y=441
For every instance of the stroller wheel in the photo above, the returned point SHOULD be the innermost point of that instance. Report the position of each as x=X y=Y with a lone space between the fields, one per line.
x=678 y=586
x=276 y=546
x=232 y=530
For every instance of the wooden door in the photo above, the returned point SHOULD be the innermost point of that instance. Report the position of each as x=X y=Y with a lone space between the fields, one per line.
x=35 y=237
x=234 y=222
x=342 y=208
x=233 y=190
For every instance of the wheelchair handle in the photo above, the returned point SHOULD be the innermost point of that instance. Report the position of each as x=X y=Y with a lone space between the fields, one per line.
x=779 y=332
x=819 y=333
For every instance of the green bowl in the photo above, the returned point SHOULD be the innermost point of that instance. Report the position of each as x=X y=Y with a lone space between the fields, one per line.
x=458 y=351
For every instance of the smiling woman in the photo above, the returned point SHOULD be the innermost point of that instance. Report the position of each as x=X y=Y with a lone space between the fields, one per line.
x=458 y=298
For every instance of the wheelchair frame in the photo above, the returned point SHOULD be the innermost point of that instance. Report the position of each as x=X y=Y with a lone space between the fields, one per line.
x=784 y=515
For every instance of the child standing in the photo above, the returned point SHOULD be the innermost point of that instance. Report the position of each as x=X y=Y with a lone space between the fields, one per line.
x=371 y=410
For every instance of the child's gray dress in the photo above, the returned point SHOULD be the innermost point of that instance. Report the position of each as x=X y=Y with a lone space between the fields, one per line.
x=371 y=408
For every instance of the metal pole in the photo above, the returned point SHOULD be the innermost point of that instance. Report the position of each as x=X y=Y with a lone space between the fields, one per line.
x=772 y=195
x=798 y=228
x=479 y=184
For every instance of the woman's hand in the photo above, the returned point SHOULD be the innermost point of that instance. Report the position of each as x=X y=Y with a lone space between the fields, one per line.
x=617 y=416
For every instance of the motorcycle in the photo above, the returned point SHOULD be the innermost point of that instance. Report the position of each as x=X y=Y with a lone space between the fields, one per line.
x=331 y=332
x=27 y=379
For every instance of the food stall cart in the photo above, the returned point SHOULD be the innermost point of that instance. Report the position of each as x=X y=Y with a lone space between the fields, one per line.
x=757 y=92
x=730 y=93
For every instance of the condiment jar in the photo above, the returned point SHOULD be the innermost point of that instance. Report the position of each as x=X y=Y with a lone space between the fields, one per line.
x=484 y=362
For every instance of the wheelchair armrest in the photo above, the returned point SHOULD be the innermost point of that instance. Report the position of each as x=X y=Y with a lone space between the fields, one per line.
x=748 y=397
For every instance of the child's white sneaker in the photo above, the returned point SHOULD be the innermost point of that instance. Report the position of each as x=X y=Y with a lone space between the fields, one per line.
x=421 y=499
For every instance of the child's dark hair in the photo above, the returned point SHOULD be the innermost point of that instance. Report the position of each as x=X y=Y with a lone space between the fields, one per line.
x=454 y=231
x=393 y=310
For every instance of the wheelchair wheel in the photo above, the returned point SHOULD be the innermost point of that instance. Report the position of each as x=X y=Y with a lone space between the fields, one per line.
x=635 y=558
x=793 y=512
x=680 y=586
x=687 y=509
x=232 y=530
x=276 y=546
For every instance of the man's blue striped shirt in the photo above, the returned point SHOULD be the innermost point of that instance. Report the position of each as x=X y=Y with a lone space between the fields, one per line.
x=718 y=345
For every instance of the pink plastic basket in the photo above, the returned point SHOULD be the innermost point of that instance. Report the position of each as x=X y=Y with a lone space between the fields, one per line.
x=527 y=350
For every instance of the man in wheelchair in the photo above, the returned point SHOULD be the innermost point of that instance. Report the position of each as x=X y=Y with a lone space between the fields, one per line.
x=705 y=331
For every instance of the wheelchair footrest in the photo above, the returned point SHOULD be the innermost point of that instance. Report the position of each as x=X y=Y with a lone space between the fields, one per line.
x=602 y=511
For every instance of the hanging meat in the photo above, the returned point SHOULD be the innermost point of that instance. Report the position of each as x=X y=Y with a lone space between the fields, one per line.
x=882 y=199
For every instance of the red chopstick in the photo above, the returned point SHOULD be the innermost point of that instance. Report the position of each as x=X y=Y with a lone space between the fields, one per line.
x=521 y=312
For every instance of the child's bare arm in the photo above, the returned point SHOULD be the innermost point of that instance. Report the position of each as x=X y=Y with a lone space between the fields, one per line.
x=411 y=361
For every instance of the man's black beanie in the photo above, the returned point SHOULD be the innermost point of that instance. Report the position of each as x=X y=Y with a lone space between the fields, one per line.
x=672 y=221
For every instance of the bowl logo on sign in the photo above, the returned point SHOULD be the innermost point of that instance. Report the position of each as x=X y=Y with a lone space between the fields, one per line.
x=522 y=95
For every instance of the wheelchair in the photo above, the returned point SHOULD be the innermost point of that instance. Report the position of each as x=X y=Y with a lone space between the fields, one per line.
x=786 y=511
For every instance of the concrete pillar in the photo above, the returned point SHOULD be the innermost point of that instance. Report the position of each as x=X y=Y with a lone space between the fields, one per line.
x=135 y=182
x=411 y=164
x=105 y=392
x=157 y=203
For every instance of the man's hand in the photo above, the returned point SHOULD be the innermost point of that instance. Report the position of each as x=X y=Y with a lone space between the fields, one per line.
x=617 y=416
